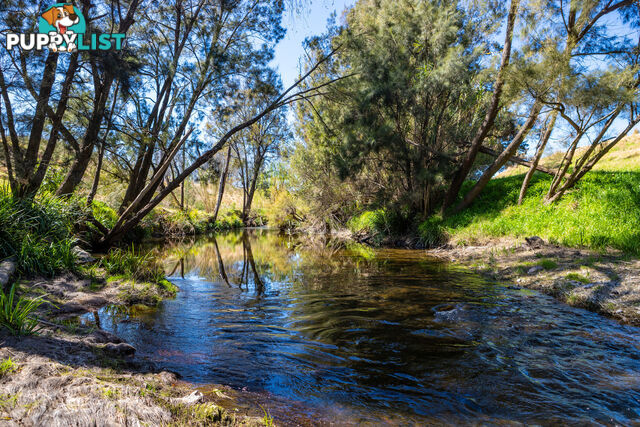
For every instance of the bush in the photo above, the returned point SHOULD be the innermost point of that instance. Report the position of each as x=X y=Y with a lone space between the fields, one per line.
x=380 y=223
x=283 y=212
x=432 y=233
x=38 y=233
x=17 y=318
x=133 y=265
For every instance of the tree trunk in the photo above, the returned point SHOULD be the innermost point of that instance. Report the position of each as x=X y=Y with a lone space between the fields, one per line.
x=538 y=156
x=221 y=184
x=502 y=159
x=96 y=177
x=79 y=166
x=462 y=173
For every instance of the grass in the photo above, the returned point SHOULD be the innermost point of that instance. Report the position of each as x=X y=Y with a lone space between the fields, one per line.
x=141 y=276
x=267 y=419
x=38 y=233
x=133 y=264
x=17 y=315
x=7 y=366
x=576 y=277
x=603 y=211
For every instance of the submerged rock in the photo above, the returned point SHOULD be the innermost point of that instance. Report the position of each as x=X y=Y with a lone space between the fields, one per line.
x=455 y=314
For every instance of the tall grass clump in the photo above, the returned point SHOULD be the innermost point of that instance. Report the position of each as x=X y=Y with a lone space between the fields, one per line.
x=16 y=315
x=380 y=223
x=132 y=264
x=38 y=233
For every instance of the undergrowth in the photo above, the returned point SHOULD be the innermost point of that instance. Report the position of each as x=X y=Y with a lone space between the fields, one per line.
x=38 y=233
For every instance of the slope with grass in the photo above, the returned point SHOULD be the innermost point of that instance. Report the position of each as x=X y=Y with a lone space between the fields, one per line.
x=601 y=212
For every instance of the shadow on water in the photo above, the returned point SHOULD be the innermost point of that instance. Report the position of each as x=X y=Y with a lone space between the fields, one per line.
x=380 y=335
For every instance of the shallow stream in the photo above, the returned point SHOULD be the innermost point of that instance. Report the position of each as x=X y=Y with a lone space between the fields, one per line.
x=354 y=334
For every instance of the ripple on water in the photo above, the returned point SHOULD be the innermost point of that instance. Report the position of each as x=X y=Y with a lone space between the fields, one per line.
x=394 y=338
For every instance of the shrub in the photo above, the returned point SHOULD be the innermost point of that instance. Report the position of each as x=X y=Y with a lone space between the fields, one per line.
x=380 y=223
x=38 y=233
x=17 y=317
x=133 y=264
x=431 y=232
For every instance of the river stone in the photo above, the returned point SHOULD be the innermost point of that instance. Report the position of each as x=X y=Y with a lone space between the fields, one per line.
x=192 y=399
x=82 y=256
x=119 y=349
x=7 y=268
x=102 y=337
x=534 y=270
x=534 y=241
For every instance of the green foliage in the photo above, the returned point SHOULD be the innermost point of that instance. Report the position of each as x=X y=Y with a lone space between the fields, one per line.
x=7 y=366
x=229 y=220
x=548 y=264
x=577 y=278
x=283 y=212
x=379 y=223
x=415 y=97
x=103 y=213
x=16 y=315
x=432 y=233
x=38 y=233
x=128 y=262
x=603 y=211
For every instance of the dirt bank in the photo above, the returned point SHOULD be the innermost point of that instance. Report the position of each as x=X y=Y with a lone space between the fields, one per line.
x=73 y=375
x=607 y=283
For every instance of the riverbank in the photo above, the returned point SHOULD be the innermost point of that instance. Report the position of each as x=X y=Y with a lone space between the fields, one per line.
x=603 y=282
x=73 y=374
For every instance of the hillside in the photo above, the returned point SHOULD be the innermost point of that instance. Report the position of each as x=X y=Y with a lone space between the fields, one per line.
x=602 y=211
x=624 y=156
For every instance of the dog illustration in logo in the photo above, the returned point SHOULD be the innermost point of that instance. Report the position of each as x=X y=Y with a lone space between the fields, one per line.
x=61 y=18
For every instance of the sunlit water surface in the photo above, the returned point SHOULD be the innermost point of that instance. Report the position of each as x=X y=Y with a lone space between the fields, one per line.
x=385 y=336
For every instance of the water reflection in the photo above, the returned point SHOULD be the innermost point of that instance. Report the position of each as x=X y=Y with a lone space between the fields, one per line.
x=383 y=335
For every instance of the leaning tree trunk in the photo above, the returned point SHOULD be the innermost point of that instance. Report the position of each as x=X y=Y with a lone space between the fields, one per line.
x=502 y=159
x=538 y=156
x=462 y=173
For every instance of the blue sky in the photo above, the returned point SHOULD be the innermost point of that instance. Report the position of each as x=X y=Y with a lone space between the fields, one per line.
x=309 y=22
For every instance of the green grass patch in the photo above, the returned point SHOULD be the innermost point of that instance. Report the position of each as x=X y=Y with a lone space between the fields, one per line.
x=602 y=211
x=7 y=366
x=548 y=264
x=576 y=277
x=38 y=233
x=132 y=264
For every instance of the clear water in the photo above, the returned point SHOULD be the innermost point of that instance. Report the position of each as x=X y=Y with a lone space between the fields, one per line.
x=385 y=336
